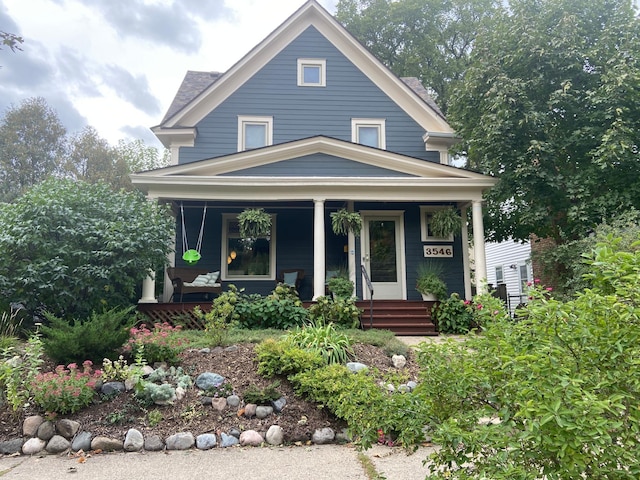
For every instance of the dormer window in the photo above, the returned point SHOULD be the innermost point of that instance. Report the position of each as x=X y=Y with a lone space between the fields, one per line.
x=254 y=132
x=369 y=132
x=312 y=72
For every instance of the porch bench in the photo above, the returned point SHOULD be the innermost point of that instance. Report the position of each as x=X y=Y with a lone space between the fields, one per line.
x=192 y=280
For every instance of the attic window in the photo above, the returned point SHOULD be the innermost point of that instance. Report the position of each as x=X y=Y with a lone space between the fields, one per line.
x=312 y=72
x=254 y=132
x=368 y=131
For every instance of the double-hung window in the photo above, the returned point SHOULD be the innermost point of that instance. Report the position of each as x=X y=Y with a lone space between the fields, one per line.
x=254 y=132
x=368 y=131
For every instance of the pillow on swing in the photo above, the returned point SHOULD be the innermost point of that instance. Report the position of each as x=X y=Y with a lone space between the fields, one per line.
x=200 y=281
x=212 y=278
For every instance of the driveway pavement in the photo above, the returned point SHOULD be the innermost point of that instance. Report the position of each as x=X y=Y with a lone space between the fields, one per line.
x=318 y=462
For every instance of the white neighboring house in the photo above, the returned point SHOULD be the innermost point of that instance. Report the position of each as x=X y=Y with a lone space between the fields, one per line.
x=509 y=264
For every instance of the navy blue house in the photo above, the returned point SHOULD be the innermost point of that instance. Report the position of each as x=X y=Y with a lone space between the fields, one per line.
x=307 y=123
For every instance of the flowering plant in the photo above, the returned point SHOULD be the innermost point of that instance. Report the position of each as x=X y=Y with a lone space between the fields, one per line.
x=157 y=345
x=67 y=389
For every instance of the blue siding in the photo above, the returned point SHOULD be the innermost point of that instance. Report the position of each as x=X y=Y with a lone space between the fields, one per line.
x=319 y=165
x=300 y=112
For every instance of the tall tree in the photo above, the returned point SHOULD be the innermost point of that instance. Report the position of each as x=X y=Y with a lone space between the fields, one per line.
x=140 y=157
x=428 y=39
x=551 y=106
x=32 y=141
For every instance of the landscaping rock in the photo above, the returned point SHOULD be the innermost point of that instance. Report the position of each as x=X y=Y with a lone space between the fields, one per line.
x=323 y=436
x=67 y=428
x=31 y=424
x=33 y=446
x=180 y=393
x=205 y=400
x=106 y=444
x=46 y=430
x=9 y=447
x=412 y=385
x=263 y=412
x=180 y=441
x=58 y=444
x=219 y=404
x=133 y=440
x=208 y=380
x=112 y=388
x=81 y=442
x=399 y=361
x=233 y=401
x=206 y=441
x=153 y=443
x=356 y=366
x=235 y=432
x=275 y=435
x=231 y=348
x=250 y=410
x=279 y=404
x=251 y=438
x=343 y=436
x=228 y=440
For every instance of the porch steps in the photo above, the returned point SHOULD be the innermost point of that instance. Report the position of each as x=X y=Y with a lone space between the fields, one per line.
x=402 y=317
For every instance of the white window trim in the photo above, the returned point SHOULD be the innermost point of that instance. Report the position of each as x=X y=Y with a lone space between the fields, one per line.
x=224 y=272
x=254 y=120
x=312 y=62
x=499 y=268
x=424 y=233
x=380 y=123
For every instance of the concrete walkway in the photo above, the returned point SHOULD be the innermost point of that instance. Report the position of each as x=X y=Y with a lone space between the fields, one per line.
x=319 y=462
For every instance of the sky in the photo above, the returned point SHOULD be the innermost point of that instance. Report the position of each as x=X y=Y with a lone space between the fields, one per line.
x=116 y=64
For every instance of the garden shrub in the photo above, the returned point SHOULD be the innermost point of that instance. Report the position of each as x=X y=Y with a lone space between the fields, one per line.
x=283 y=358
x=332 y=345
x=67 y=389
x=453 y=315
x=18 y=369
x=554 y=395
x=162 y=344
x=262 y=396
x=100 y=336
x=282 y=309
x=341 y=311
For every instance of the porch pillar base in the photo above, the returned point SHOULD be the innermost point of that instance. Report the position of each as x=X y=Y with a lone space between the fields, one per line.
x=318 y=248
x=148 y=289
x=478 y=247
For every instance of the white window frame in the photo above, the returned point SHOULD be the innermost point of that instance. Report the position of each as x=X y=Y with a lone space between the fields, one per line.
x=426 y=211
x=524 y=279
x=499 y=274
x=312 y=62
x=224 y=271
x=244 y=120
x=378 y=123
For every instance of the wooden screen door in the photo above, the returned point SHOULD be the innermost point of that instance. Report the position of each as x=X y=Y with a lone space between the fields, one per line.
x=382 y=243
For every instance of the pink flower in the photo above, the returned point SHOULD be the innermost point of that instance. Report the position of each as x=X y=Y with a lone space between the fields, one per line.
x=467 y=302
x=72 y=366
x=87 y=363
x=529 y=284
x=536 y=280
x=496 y=312
x=549 y=289
x=479 y=306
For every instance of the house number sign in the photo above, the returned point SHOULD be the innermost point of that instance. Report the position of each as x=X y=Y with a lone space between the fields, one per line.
x=431 y=251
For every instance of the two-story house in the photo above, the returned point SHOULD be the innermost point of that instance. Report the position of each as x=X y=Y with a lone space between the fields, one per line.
x=309 y=122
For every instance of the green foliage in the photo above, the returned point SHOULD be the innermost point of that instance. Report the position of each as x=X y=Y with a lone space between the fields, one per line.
x=154 y=417
x=119 y=370
x=332 y=345
x=162 y=344
x=545 y=108
x=282 y=309
x=283 y=358
x=487 y=309
x=72 y=248
x=446 y=221
x=160 y=386
x=554 y=395
x=95 y=338
x=341 y=287
x=429 y=280
x=19 y=369
x=254 y=223
x=9 y=328
x=453 y=315
x=344 y=221
x=221 y=390
x=262 y=396
x=67 y=389
x=342 y=312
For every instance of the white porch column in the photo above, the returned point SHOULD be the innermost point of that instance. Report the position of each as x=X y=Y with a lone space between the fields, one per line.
x=478 y=247
x=167 y=292
x=149 y=289
x=318 y=248
x=351 y=253
x=466 y=264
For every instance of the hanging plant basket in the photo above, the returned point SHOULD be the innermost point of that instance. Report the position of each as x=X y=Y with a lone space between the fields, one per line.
x=446 y=222
x=343 y=222
x=254 y=223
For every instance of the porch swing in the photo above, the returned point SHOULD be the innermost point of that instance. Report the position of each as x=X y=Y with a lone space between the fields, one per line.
x=191 y=256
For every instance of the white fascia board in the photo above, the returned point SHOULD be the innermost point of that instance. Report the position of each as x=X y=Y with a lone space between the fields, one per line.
x=176 y=137
x=260 y=55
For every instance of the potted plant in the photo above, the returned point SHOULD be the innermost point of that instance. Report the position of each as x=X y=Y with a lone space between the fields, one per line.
x=429 y=282
x=445 y=222
x=343 y=222
x=254 y=223
x=341 y=287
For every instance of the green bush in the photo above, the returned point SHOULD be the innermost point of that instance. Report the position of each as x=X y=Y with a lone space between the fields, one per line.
x=554 y=395
x=95 y=338
x=18 y=369
x=453 y=315
x=160 y=344
x=340 y=311
x=262 y=396
x=332 y=345
x=282 y=309
x=283 y=358
x=67 y=389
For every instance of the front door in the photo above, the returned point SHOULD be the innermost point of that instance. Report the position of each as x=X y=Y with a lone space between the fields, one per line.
x=382 y=243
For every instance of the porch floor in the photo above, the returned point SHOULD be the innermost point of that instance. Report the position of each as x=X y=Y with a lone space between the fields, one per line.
x=402 y=317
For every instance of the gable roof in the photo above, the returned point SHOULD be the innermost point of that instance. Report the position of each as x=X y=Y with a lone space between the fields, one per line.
x=187 y=114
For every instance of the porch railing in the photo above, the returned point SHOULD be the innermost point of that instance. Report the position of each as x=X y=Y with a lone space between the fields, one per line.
x=370 y=287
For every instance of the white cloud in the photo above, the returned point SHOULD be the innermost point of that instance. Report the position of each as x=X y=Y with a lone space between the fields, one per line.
x=116 y=64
